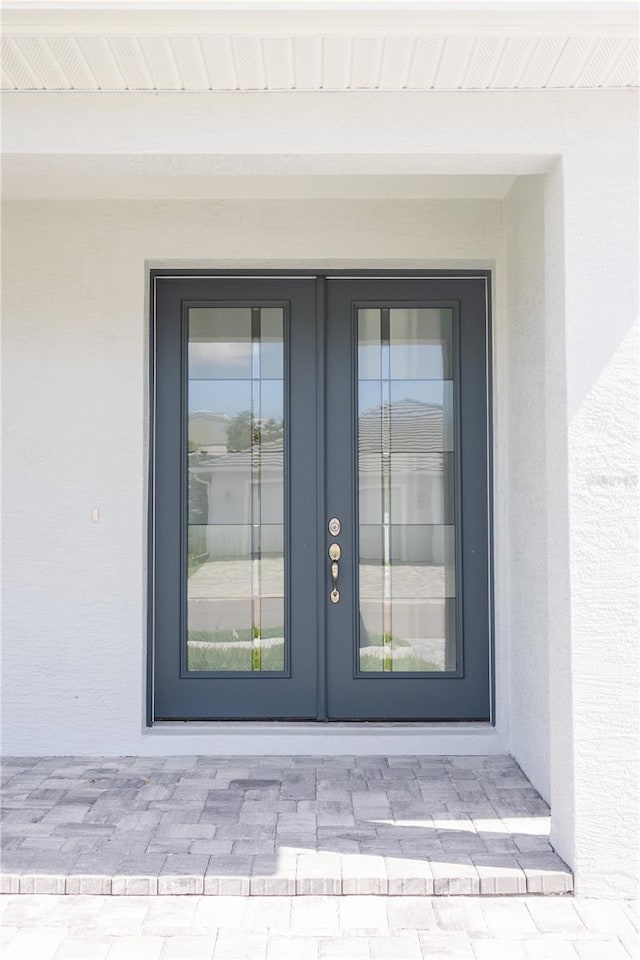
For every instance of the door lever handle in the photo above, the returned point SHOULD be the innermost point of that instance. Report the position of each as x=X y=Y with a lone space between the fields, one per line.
x=334 y=555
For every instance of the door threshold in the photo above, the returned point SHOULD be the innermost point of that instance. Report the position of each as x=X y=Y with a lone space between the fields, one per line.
x=321 y=725
x=282 y=738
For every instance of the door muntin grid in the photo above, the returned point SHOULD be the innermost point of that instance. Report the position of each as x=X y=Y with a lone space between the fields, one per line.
x=236 y=441
x=407 y=454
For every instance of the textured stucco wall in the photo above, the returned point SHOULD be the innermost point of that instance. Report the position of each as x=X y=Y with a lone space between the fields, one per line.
x=527 y=413
x=603 y=454
x=75 y=335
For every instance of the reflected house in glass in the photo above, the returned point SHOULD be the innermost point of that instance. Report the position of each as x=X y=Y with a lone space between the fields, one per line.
x=208 y=432
x=220 y=553
x=235 y=463
x=420 y=552
x=220 y=487
x=407 y=511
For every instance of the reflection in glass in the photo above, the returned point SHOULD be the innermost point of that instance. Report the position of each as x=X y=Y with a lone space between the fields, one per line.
x=420 y=344
x=371 y=554
x=423 y=636
x=406 y=490
x=423 y=561
x=421 y=487
x=370 y=416
x=235 y=562
x=368 y=345
x=220 y=343
x=271 y=353
x=421 y=415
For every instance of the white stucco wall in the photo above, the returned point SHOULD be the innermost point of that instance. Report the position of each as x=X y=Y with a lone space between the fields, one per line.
x=527 y=412
x=75 y=352
x=75 y=420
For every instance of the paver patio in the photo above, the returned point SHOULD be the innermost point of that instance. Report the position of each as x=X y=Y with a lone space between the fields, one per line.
x=276 y=826
x=317 y=928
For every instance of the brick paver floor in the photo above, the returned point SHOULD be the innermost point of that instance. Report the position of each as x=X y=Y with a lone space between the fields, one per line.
x=277 y=826
x=317 y=928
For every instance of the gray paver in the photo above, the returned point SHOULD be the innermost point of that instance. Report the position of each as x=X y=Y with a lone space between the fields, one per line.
x=263 y=914
x=292 y=948
x=603 y=916
x=228 y=876
x=142 y=948
x=188 y=948
x=498 y=949
x=545 y=873
x=81 y=948
x=408 y=877
x=550 y=915
x=460 y=913
x=43 y=883
x=9 y=883
x=608 y=949
x=404 y=826
x=36 y=944
x=240 y=946
x=273 y=876
x=128 y=886
x=124 y=916
x=353 y=948
x=410 y=913
x=319 y=873
x=406 y=947
x=515 y=922
x=63 y=927
x=364 y=875
x=315 y=915
x=88 y=884
x=500 y=874
x=550 y=948
x=455 y=874
x=446 y=946
x=363 y=915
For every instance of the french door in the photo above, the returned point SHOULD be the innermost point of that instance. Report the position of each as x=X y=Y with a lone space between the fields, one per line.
x=319 y=516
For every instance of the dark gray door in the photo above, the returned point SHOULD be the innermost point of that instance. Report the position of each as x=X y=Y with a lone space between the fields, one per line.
x=235 y=552
x=406 y=469
x=279 y=404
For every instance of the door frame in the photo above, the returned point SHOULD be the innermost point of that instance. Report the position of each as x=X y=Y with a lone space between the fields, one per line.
x=156 y=275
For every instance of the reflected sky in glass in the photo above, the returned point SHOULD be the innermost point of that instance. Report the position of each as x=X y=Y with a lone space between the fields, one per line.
x=231 y=397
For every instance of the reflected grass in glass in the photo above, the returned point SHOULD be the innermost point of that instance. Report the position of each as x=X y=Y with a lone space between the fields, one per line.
x=370 y=663
x=226 y=659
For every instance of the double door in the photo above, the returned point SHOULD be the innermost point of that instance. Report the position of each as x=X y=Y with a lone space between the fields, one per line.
x=319 y=516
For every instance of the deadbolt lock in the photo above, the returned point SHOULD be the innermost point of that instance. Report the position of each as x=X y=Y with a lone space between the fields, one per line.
x=334 y=526
x=334 y=551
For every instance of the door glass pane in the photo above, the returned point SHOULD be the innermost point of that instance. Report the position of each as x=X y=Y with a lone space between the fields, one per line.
x=406 y=464
x=235 y=561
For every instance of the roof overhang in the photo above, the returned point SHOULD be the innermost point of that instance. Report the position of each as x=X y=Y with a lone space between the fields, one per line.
x=288 y=46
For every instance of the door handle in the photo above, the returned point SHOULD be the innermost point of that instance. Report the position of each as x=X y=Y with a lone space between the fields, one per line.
x=334 y=555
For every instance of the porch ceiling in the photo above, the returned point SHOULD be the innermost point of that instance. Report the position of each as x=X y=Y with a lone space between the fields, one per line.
x=330 y=46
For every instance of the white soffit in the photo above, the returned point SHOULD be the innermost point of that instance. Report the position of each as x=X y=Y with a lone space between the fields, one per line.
x=318 y=46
